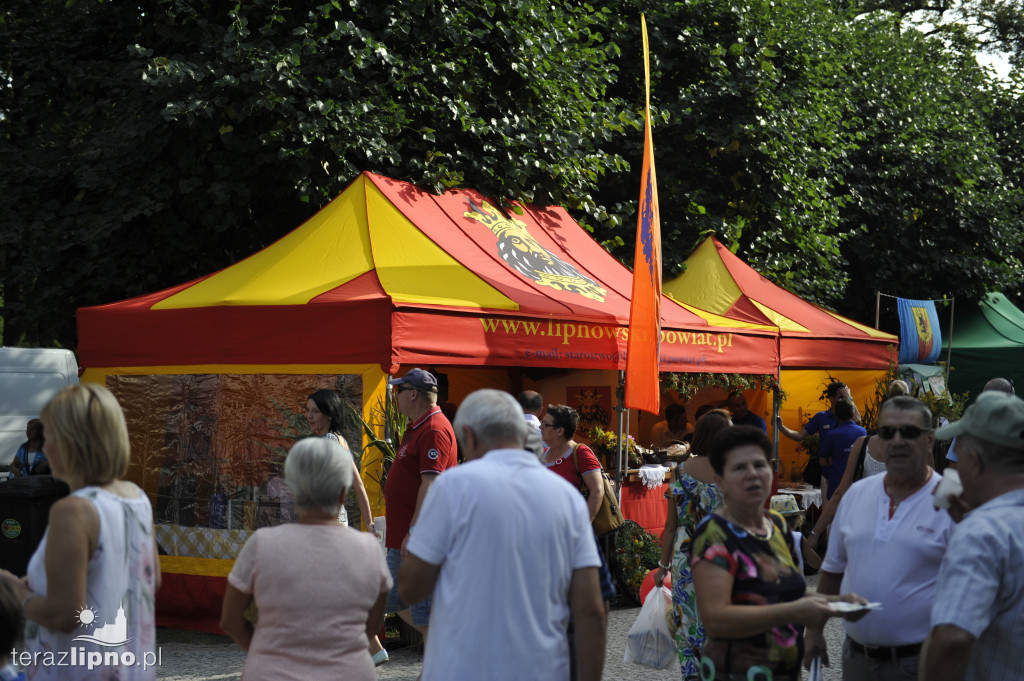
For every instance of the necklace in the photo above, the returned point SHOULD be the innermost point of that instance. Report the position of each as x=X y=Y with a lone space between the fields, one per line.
x=557 y=461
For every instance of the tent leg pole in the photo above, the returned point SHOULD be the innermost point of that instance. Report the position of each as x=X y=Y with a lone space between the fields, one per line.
x=387 y=410
x=620 y=393
x=776 y=410
x=949 y=350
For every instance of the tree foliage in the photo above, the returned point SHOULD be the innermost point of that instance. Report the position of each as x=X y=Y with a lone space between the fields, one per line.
x=156 y=141
x=840 y=147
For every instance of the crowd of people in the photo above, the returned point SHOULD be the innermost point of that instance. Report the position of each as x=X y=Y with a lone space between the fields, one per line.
x=495 y=561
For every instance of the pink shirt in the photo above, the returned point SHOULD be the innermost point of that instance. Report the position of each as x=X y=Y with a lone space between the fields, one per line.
x=314 y=586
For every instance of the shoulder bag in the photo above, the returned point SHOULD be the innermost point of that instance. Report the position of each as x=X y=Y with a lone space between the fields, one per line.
x=609 y=517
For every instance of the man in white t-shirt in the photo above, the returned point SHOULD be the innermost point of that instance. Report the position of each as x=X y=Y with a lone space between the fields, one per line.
x=507 y=549
x=886 y=544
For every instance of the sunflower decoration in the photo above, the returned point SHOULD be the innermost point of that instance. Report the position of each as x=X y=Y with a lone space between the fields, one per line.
x=637 y=552
x=605 y=444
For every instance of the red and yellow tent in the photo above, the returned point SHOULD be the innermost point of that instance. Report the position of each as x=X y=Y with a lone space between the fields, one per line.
x=814 y=343
x=213 y=374
x=392 y=275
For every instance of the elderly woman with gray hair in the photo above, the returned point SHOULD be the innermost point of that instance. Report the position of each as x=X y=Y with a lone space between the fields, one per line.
x=315 y=614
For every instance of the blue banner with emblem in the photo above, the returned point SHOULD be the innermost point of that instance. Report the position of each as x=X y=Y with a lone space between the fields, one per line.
x=920 y=339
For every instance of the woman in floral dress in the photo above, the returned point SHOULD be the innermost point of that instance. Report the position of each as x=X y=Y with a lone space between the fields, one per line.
x=692 y=497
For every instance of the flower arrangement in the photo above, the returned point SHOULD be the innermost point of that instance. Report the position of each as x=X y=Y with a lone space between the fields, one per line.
x=637 y=552
x=606 y=443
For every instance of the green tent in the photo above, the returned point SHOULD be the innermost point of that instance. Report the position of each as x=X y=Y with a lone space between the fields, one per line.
x=988 y=341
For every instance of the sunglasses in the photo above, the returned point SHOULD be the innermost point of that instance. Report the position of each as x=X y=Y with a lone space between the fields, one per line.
x=403 y=390
x=906 y=432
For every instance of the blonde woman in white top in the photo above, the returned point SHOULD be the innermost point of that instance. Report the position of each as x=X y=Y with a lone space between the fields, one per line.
x=91 y=584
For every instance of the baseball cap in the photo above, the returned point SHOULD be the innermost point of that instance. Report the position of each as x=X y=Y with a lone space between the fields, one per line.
x=417 y=378
x=785 y=504
x=995 y=416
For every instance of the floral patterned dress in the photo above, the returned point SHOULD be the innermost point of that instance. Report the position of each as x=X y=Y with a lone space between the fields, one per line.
x=764 y=573
x=694 y=500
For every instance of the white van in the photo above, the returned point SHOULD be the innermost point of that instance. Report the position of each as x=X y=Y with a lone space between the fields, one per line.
x=29 y=377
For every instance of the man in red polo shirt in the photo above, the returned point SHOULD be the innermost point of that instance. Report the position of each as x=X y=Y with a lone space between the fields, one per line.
x=428 y=448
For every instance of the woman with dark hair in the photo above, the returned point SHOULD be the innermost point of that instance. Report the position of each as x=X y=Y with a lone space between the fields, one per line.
x=751 y=594
x=30 y=459
x=691 y=498
x=323 y=412
x=557 y=429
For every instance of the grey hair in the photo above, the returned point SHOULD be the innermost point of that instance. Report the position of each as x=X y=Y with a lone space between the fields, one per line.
x=495 y=417
x=533 y=442
x=1001 y=458
x=907 y=403
x=317 y=471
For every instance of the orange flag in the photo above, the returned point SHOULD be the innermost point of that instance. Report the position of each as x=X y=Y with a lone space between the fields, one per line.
x=642 y=387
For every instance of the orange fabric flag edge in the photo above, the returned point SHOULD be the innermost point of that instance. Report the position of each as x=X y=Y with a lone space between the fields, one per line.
x=642 y=350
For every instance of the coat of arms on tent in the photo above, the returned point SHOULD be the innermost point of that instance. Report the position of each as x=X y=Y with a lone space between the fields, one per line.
x=593 y=403
x=520 y=250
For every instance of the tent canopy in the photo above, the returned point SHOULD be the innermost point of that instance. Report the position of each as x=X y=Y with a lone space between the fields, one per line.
x=390 y=274
x=988 y=342
x=809 y=336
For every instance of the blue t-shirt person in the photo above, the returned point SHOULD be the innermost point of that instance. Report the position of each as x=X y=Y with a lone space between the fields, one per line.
x=30 y=461
x=750 y=419
x=834 y=452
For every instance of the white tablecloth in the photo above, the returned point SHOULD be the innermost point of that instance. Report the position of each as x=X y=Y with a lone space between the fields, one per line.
x=651 y=475
x=805 y=496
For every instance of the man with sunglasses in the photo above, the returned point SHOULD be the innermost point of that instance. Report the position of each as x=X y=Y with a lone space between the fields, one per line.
x=428 y=448
x=978 y=614
x=886 y=544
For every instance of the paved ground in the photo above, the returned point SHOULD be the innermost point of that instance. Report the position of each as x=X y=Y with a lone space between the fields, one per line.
x=188 y=656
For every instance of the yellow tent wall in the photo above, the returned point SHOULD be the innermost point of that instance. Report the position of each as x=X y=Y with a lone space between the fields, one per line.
x=803 y=389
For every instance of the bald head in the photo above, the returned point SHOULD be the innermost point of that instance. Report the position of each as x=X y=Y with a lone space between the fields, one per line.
x=531 y=402
x=1000 y=385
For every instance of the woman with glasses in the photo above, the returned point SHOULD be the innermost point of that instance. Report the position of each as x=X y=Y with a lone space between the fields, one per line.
x=91 y=584
x=557 y=429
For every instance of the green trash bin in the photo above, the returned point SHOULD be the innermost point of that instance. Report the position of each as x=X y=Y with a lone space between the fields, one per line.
x=24 y=512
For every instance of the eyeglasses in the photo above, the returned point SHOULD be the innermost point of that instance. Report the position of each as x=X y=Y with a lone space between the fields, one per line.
x=907 y=432
x=547 y=425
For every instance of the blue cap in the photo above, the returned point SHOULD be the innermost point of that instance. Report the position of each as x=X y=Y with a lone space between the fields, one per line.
x=417 y=378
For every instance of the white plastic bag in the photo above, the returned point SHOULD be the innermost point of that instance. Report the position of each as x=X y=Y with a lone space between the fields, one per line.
x=649 y=642
x=815 y=673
